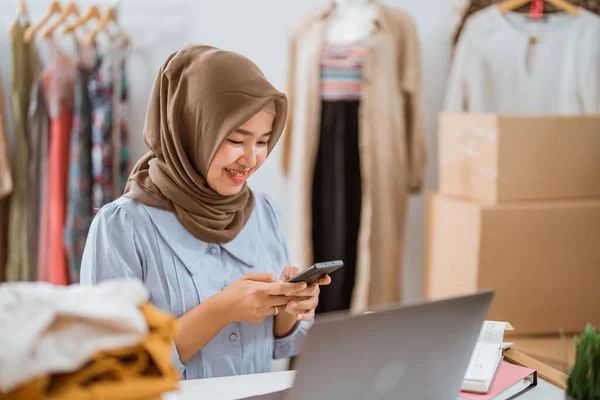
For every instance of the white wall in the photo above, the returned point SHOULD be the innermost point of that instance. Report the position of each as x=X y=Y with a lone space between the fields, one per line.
x=257 y=29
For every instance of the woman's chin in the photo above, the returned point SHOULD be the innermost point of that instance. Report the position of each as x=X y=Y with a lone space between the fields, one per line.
x=228 y=189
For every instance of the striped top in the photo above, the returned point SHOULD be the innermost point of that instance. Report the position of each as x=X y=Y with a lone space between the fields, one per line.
x=341 y=71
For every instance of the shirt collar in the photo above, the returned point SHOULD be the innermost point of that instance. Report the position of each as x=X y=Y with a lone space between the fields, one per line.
x=246 y=247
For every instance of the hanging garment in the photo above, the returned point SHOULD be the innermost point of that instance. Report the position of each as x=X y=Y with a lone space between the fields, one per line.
x=6 y=184
x=336 y=200
x=391 y=146
x=120 y=117
x=38 y=130
x=463 y=9
x=123 y=118
x=79 y=196
x=59 y=77
x=336 y=192
x=24 y=69
x=100 y=89
x=458 y=13
x=508 y=63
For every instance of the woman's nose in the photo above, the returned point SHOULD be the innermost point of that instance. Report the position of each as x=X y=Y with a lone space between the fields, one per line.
x=248 y=159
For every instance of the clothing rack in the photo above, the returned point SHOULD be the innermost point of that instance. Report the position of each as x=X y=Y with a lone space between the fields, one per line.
x=71 y=135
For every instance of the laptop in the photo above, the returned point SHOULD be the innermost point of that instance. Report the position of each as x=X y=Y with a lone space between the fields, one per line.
x=416 y=351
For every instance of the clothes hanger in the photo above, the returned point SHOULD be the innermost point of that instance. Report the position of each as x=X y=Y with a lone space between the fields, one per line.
x=69 y=9
x=92 y=13
x=21 y=13
x=509 y=5
x=109 y=15
x=54 y=8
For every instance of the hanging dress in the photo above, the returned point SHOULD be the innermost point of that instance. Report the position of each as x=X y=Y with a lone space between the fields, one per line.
x=100 y=89
x=79 y=206
x=336 y=194
x=123 y=125
x=59 y=77
x=24 y=70
x=39 y=131
x=120 y=116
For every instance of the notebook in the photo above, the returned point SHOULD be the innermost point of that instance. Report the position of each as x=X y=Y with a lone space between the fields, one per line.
x=486 y=357
x=511 y=380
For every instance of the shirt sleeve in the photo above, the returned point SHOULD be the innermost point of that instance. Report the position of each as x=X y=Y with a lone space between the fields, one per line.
x=291 y=344
x=113 y=250
x=456 y=98
x=589 y=77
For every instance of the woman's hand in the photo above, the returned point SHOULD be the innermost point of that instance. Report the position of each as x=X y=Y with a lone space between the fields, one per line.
x=305 y=301
x=254 y=296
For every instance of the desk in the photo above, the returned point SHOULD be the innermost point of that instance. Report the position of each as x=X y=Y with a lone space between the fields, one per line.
x=237 y=387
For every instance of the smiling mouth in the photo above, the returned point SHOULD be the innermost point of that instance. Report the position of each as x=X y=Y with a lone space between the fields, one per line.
x=235 y=173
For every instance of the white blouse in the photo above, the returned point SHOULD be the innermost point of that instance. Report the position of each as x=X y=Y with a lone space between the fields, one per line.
x=509 y=63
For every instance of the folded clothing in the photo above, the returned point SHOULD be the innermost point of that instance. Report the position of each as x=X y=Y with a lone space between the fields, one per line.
x=52 y=329
x=142 y=371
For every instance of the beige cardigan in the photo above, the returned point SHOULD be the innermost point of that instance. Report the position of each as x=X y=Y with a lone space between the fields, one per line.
x=391 y=144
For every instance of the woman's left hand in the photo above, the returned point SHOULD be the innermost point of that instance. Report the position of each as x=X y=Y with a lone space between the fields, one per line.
x=304 y=302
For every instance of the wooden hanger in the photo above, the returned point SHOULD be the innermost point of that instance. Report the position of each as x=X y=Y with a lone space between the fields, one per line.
x=21 y=13
x=509 y=5
x=69 y=9
x=54 y=8
x=92 y=13
x=110 y=15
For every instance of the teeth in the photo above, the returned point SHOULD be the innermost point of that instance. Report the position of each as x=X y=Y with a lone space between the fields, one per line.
x=235 y=173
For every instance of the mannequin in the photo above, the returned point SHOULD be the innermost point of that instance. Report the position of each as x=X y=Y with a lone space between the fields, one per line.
x=350 y=21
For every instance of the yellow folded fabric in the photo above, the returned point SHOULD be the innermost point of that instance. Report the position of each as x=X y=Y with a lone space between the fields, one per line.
x=139 y=372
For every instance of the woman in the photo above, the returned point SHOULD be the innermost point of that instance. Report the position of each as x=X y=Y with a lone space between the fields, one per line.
x=208 y=248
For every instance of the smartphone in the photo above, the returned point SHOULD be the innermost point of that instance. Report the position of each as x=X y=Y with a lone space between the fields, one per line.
x=316 y=272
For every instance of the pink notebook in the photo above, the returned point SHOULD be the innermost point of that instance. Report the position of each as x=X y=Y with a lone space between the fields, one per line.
x=510 y=381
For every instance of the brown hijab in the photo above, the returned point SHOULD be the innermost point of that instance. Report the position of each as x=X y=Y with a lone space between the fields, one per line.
x=200 y=96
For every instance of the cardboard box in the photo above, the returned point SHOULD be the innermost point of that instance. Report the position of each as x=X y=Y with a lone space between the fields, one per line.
x=557 y=352
x=542 y=259
x=494 y=158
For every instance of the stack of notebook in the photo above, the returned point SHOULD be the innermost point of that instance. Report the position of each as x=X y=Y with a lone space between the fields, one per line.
x=488 y=376
x=510 y=380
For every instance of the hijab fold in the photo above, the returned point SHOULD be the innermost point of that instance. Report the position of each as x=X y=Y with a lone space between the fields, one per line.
x=201 y=95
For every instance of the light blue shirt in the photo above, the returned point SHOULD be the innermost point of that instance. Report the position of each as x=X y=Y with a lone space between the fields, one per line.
x=129 y=239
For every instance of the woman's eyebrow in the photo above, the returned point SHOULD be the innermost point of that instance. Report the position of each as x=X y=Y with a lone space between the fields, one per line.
x=245 y=132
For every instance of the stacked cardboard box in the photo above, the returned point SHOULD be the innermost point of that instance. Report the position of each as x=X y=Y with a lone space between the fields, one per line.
x=518 y=211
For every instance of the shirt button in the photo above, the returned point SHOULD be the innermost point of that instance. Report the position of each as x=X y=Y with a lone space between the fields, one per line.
x=233 y=337
x=213 y=250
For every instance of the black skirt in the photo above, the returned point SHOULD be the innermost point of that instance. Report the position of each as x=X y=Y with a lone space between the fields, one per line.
x=336 y=200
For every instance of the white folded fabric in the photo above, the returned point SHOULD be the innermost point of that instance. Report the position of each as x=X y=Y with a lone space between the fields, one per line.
x=49 y=329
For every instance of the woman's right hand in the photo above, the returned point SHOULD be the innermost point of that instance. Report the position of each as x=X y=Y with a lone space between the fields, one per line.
x=255 y=295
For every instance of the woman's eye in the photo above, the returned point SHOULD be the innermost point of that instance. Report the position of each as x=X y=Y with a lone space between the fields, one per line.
x=234 y=142
x=263 y=143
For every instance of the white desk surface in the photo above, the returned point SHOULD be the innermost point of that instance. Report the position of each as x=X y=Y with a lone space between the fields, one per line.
x=238 y=387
